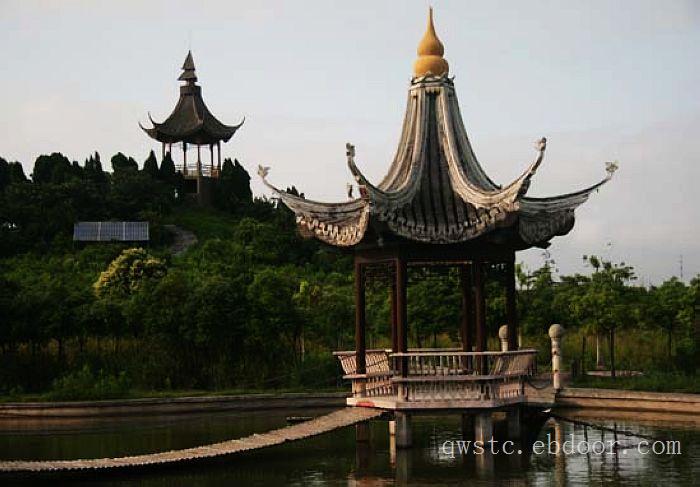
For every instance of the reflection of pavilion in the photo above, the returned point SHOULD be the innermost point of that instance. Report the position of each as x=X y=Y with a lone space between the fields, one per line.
x=436 y=207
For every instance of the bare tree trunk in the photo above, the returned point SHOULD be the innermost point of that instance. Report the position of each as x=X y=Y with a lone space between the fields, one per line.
x=599 y=362
x=612 y=353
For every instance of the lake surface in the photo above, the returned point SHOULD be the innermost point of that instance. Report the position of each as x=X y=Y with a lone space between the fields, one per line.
x=337 y=459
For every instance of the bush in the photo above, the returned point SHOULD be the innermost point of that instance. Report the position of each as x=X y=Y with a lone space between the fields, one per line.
x=687 y=356
x=83 y=384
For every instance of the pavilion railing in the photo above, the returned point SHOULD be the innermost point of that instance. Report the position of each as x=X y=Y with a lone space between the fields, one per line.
x=440 y=374
x=377 y=379
x=207 y=170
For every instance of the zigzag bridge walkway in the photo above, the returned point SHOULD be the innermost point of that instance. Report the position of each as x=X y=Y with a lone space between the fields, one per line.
x=323 y=424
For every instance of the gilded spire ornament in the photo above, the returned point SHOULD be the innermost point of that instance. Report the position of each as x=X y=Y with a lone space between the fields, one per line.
x=430 y=52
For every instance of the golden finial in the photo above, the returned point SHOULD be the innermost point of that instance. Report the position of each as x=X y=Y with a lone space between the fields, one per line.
x=430 y=51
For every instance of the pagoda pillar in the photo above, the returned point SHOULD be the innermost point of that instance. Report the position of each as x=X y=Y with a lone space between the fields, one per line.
x=511 y=305
x=199 y=161
x=218 y=162
x=211 y=160
x=184 y=158
x=360 y=320
x=467 y=319
x=480 y=312
x=162 y=151
x=394 y=315
x=401 y=312
x=467 y=323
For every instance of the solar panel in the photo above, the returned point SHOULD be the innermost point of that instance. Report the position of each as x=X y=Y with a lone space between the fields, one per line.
x=110 y=231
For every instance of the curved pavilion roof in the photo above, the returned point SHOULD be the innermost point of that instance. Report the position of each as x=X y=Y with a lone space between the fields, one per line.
x=436 y=191
x=191 y=121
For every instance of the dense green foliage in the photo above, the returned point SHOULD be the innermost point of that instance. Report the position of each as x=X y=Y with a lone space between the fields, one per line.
x=252 y=305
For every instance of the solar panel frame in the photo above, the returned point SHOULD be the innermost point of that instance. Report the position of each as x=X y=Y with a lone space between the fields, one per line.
x=109 y=231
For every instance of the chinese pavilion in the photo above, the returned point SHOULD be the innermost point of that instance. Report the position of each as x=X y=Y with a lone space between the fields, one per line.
x=191 y=123
x=436 y=206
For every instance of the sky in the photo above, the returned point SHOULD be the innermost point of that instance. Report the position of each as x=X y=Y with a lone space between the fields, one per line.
x=601 y=80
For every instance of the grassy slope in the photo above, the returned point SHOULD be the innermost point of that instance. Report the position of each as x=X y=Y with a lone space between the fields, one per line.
x=206 y=223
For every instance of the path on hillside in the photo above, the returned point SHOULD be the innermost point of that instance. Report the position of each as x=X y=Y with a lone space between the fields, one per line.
x=322 y=424
x=182 y=239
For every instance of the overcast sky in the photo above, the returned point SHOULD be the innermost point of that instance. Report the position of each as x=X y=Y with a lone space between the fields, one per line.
x=601 y=80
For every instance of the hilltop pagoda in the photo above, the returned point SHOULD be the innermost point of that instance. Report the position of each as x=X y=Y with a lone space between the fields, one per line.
x=191 y=123
x=436 y=207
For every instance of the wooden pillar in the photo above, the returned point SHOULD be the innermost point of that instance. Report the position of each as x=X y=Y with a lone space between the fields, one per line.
x=511 y=305
x=360 y=323
x=467 y=323
x=184 y=158
x=199 y=161
x=394 y=316
x=483 y=427
x=211 y=160
x=162 y=151
x=218 y=162
x=480 y=313
x=402 y=431
x=401 y=312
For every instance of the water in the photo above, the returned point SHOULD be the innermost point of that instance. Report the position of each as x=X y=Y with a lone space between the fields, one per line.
x=336 y=458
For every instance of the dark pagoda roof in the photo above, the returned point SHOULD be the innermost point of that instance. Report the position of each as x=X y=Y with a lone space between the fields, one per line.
x=436 y=191
x=191 y=121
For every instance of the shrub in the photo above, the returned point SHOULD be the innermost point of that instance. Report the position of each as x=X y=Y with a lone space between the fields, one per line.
x=687 y=356
x=83 y=384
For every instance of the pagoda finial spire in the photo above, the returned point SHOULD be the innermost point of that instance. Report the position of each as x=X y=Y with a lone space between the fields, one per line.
x=430 y=52
x=188 y=74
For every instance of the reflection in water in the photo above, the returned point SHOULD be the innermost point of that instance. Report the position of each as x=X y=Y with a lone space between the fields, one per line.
x=404 y=464
x=559 y=455
x=338 y=459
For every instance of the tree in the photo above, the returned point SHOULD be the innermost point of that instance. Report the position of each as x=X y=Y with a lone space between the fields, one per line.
x=169 y=175
x=670 y=308
x=537 y=297
x=128 y=272
x=150 y=166
x=10 y=172
x=55 y=168
x=275 y=322
x=241 y=181
x=233 y=193
x=134 y=192
x=605 y=303
x=433 y=307
x=122 y=163
x=94 y=172
x=17 y=173
x=167 y=169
